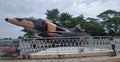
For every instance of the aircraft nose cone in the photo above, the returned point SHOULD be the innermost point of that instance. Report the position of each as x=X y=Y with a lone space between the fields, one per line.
x=6 y=19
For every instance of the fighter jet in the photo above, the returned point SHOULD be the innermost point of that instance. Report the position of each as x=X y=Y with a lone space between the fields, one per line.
x=47 y=28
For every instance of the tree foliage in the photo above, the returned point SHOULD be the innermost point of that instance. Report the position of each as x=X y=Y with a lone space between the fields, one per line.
x=65 y=19
x=52 y=14
x=111 y=21
x=108 y=22
x=28 y=34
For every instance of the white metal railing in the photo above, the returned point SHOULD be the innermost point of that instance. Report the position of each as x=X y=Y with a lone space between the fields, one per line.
x=44 y=44
x=64 y=44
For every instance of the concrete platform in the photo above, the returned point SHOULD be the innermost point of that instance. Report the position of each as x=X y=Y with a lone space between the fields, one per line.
x=70 y=50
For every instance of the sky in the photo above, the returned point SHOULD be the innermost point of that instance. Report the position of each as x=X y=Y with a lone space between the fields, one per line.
x=37 y=8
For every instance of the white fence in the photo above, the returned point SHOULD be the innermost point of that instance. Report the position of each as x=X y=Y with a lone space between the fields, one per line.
x=68 y=45
x=62 y=45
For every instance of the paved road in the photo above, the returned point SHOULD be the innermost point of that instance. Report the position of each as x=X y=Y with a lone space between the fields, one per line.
x=86 y=59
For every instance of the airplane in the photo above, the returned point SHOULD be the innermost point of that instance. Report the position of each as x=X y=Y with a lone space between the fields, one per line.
x=47 y=28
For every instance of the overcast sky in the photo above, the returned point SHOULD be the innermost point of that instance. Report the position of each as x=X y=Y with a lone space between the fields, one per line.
x=37 y=8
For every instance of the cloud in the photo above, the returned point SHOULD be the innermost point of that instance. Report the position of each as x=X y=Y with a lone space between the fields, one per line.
x=37 y=8
x=11 y=32
x=92 y=7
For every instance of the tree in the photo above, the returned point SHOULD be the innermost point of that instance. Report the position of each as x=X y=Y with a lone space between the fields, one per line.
x=52 y=14
x=81 y=20
x=19 y=37
x=28 y=34
x=94 y=27
x=106 y=15
x=78 y=20
x=111 y=21
x=65 y=19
